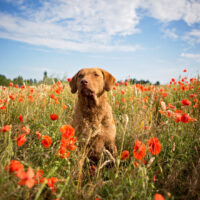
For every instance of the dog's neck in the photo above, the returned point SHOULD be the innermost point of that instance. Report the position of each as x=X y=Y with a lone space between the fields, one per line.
x=91 y=103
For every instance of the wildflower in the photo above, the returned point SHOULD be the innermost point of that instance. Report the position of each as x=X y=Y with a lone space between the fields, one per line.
x=186 y=102
x=20 y=140
x=173 y=80
x=126 y=83
x=53 y=117
x=23 y=87
x=139 y=150
x=68 y=79
x=20 y=118
x=185 y=70
x=122 y=92
x=154 y=146
x=11 y=84
x=123 y=100
x=26 y=178
x=164 y=94
x=125 y=155
x=51 y=182
x=20 y=99
x=46 y=141
x=158 y=196
x=185 y=118
x=38 y=176
x=25 y=130
x=38 y=134
x=58 y=91
x=67 y=131
x=64 y=106
x=31 y=98
x=192 y=96
x=6 y=128
x=12 y=97
x=14 y=166
x=3 y=107
x=177 y=117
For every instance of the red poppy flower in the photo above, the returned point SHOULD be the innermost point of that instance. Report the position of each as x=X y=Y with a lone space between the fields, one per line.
x=11 y=84
x=25 y=130
x=22 y=87
x=46 y=141
x=38 y=134
x=14 y=166
x=154 y=146
x=20 y=118
x=64 y=106
x=177 y=117
x=185 y=118
x=173 y=80
x=186 y=102
x=67 y=131
x=38 y=176
x=158 y=197
x=53 y=117
x=192 y=96
x=139 y=150
x=6 y=128
x=12 y=97
x=26 y=178
x=125 y=155
x=51 y=182
x=185 y=70
x=21 y=139
x=68 y=79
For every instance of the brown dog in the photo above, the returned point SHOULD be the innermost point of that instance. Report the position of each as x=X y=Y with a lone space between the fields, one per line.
x=93 y=112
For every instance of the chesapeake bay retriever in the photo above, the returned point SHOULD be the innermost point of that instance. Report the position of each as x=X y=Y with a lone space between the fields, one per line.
x=93 y=112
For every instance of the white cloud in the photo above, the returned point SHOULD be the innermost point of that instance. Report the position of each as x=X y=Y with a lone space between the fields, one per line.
x=73 y=25
x=170 y=33
x=195 y=57
x=90 y=25
x=192 y=37
x=170 y=10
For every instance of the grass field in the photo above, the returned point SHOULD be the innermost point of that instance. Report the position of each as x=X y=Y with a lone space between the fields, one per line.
x=158 y=141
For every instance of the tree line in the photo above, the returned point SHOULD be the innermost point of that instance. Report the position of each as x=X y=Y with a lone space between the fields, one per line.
x=49 y=80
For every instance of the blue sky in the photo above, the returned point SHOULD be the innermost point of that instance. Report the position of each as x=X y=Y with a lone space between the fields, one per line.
x=142 y=39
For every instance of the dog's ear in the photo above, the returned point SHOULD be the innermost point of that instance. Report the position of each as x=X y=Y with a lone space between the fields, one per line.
x=73 y=83
x=109 y=80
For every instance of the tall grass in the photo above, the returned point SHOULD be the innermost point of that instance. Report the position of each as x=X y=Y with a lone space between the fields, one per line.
x=140 y=112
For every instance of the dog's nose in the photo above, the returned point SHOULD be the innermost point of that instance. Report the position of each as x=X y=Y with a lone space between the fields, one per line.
x=84 y=82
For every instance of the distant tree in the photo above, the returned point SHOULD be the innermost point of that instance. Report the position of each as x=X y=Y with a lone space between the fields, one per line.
x=4 y=81
x=18 y=81
x=45 y=77
x=157 y=83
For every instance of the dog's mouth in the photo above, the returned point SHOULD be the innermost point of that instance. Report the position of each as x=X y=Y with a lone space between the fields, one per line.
x=87 y=92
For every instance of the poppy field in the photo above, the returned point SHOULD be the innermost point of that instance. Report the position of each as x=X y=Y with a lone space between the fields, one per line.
x=158 y=141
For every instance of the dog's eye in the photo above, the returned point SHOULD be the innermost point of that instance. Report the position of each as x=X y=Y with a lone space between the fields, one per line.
x=95 y=74
x=80 y=75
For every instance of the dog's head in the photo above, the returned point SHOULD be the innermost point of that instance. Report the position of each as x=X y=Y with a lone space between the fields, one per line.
x=91 y=82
